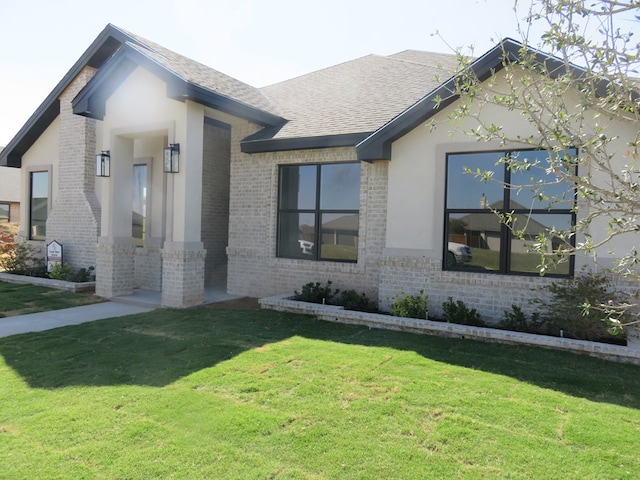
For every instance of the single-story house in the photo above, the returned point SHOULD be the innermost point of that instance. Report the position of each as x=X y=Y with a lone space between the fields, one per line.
x=9 y=194
x=329 y=176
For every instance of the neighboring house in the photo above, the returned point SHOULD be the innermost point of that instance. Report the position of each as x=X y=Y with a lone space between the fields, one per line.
x=9 y=194
x=329 y=176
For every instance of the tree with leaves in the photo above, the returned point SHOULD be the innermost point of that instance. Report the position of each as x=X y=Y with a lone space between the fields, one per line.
x=579 y=92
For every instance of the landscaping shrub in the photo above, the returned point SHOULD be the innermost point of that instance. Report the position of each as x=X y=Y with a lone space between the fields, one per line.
x=60 y=272
x=314 y=292
x=565 y=310
x=458 y=312
x=411 y=306
x=517 y=321
x=22 y=259
x=352 y=300
x=83 y=275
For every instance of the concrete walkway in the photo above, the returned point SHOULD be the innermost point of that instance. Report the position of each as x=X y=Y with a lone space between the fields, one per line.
x=37 y=322
x=140 y=301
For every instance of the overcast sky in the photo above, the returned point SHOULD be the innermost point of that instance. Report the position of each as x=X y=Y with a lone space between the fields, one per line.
x=257 y=41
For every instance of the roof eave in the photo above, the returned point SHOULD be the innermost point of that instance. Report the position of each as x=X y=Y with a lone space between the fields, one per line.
x=91 y=100
x=378 y=145
x=265 y=145
x=188 y=91
x=105 y=44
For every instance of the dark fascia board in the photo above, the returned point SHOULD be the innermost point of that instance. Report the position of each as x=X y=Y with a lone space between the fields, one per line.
x=217 y=123
x=302 y=143
x=105 y=44
x=91 y=100
x=378 y=145
x=188 y=91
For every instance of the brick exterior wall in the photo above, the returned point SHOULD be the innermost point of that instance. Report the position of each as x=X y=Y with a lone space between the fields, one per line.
x=490 y=294
x=14 y=212
x=148 y=267
x=215 y=202
x=74 y=219
x=115 y=267
x=253 y=267
x=182 y=274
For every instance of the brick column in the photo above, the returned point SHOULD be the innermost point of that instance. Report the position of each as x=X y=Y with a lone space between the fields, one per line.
x=115 y=272
x=183 y=253
x=183 y=274
x=74 y=219
x=115 y=268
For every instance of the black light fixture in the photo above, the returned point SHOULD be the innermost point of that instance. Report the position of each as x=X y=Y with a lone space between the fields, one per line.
x=103 y=164
x=172 y=158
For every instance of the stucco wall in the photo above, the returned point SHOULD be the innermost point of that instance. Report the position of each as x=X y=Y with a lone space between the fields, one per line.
x=412 y=258
x=43 y=155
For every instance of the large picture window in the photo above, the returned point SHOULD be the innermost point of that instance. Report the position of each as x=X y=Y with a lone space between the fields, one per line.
x=318 y=211
x=476 y=240
x=38 y=205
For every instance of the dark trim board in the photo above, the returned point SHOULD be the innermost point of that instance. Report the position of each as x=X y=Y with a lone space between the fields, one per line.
x=216 y=123
x=302 y=143
x=378 y=145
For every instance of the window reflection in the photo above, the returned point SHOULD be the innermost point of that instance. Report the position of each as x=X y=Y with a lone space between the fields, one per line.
x=533 y=199
x=318 y=217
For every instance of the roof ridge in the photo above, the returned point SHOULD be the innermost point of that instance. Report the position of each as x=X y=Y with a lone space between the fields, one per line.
x=319 y=70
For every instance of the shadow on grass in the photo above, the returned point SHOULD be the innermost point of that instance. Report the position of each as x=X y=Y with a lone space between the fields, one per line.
x=158 y=348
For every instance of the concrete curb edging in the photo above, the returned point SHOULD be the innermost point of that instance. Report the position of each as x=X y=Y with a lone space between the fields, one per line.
x=332 y=313
x=85 y=287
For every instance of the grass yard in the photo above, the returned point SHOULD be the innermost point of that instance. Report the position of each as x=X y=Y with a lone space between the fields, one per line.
x=19 y=299
x=246 y=394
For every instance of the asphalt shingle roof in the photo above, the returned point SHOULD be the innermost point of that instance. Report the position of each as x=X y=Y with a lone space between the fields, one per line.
x=357 y=96
x=204 y=76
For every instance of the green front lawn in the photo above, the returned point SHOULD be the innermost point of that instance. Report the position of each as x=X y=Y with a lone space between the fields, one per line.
x=232 y=394
x=20 y=299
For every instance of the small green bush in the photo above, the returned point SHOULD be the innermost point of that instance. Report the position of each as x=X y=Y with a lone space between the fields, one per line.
x=517 y=321
x=458 y=312
x=410 y=306
x=352 y=300
x=83 y=275
x=314 y=292
x=60 y=271
x=565 y=310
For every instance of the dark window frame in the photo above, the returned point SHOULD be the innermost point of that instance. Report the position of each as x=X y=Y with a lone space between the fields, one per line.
x=506 y=236
x=38 y=238
x=317 y=211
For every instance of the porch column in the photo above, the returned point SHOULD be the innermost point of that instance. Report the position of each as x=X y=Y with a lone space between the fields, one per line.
x=183 y=254
x=116 y=250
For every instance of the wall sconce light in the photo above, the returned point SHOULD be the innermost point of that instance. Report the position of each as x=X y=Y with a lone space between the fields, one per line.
x=103 y=164
x=172 y=158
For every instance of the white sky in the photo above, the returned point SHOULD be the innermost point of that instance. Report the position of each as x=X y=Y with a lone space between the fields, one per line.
x=257 y=41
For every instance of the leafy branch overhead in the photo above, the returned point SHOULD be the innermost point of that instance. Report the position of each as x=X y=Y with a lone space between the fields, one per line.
x=579 y=101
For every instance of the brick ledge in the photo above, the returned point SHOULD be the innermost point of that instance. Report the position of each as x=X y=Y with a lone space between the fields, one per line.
x=332 y=313
x=49 y=282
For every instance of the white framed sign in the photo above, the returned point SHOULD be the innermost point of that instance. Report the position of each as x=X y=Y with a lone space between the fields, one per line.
x=54 y=254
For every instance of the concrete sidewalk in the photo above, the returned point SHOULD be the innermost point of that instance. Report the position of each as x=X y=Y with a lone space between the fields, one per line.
x=37 y=322
x=139 y=301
